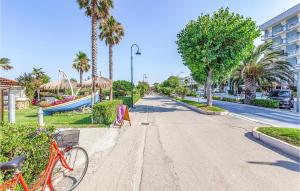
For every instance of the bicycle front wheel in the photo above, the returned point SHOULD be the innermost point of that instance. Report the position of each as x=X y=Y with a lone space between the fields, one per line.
x=64 y=179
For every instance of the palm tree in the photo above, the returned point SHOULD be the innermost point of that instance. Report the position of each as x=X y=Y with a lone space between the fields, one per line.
x=112 y=32
x=5 y=64
x=263 y=66
x=97 y=10
x=81 y=64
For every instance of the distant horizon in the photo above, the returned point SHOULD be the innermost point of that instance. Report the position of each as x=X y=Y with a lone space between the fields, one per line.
x=48 y=34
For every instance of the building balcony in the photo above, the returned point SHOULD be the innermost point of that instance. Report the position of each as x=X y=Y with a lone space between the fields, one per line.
x=266 y=37
x=293 y=38
x=292 y=25
x=293 y=53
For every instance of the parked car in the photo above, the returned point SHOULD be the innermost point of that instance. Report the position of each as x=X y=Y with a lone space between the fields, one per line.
x=285 y=98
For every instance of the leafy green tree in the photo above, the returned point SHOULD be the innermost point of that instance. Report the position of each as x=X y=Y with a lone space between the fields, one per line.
x=214 y=45
x=143 y=88
x=26 y=80
x=112 y=32
x=172 y=82
x=263 y=67
x=81 y=64
x=121 y=88
x=98 y=10
x=157 y=87
x=5 y=64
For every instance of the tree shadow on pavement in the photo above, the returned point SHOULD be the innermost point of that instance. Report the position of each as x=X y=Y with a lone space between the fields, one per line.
x=147 y=108
x=250 y=137
x=280 y=163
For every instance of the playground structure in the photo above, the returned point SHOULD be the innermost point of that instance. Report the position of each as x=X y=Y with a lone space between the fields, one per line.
x=71 y=102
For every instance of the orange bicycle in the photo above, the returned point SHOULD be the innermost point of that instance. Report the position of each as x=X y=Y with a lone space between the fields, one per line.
x=66 y=167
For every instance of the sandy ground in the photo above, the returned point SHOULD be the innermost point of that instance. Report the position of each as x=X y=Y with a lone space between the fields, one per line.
x=169 y=147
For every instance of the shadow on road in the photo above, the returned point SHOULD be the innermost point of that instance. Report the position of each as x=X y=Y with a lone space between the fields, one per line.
x=280 y=163
x=250 y=137
x=146 y=108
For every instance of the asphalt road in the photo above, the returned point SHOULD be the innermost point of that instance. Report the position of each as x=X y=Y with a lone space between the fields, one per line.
x=170 y=147
x=276 y=117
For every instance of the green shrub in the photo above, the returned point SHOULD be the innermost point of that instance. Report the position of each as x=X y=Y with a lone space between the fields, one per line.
x=105 y=112
x=167 y=91
x=182 y=91
x=265 y=103
x=228 y=99
x=14 y=142
x=122 y=88
x=192 y=94
x=127 y=100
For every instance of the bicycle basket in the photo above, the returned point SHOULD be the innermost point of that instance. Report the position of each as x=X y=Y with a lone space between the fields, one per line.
x=67 y=138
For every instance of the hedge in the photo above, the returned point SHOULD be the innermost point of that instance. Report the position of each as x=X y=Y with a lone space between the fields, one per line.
x=265 y=103
x=105 y=112
x=14 y=142
x=127 y=100
x=235 y=100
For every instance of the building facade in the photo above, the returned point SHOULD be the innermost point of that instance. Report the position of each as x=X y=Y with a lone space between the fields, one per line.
x=284 y=31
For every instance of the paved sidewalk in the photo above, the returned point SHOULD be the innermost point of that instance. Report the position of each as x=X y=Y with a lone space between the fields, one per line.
x=170 y=147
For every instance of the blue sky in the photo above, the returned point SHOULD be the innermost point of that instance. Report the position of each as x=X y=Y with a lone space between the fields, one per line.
x=49 y=33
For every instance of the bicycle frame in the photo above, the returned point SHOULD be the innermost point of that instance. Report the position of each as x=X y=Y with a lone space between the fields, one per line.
x=45 y=178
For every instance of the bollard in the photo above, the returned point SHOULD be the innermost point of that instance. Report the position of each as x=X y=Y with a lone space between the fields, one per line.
x=12 y=108
x=41 y=117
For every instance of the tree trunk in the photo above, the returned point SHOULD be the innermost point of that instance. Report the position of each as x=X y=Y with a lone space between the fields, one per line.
x=208 y=88
x=250 y=90
x=94 y=44
x=110 y=70
x=81 y=77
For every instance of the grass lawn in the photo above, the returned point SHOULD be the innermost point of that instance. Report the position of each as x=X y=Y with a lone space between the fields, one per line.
x=60 y=120
x=201 y=105
x=289 y=135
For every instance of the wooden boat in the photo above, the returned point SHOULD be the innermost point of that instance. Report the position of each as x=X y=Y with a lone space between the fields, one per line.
x=70 y=105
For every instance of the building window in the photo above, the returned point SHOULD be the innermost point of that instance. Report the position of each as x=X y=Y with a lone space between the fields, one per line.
x=293 y=60
x=277 y=41
x=292 y=49
x=292 y=22
x=293 y=35
x=276 y=29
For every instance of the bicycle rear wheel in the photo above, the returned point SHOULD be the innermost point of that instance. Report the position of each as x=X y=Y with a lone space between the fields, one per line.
x=64 y=179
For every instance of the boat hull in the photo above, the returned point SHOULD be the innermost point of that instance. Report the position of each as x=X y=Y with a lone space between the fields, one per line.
x=70 y=105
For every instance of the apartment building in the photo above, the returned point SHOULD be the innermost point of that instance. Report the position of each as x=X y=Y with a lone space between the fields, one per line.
x=284 y=31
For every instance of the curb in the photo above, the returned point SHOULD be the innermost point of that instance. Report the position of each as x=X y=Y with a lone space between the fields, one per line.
x=251 y=119
x=281 y=145
x=264 y=108
x=196 y=109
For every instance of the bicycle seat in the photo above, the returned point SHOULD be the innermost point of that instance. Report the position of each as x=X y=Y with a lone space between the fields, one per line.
x=12 y=164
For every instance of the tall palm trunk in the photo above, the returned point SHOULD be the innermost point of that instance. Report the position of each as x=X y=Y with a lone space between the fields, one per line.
x=208 y=87
x=110 y=70
x=80 y=76
x=94 y=44
x=250 y=90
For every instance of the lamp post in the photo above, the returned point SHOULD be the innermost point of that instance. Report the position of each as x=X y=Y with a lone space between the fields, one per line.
x=137 y=53
x=144 y=77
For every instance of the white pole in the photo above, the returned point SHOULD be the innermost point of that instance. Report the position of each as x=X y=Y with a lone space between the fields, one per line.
x=41 y=117
x=12 y=108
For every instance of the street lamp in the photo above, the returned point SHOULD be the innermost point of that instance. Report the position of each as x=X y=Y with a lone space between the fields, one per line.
x=132 y=85
x=144 y=77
